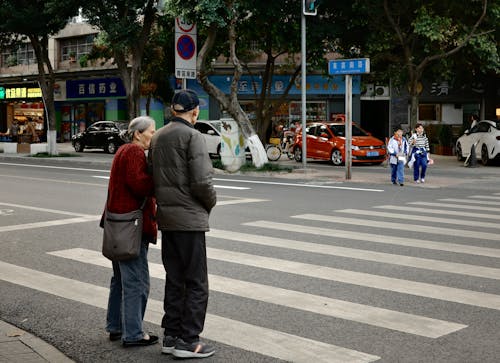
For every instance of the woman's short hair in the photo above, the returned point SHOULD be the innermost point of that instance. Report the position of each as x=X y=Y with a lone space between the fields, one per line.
x=141 y=124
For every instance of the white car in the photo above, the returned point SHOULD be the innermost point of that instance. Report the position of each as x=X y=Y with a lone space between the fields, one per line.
x=485 y=135
x=211 y=132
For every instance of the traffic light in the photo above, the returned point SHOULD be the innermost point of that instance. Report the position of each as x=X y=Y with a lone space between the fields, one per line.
x=310 y=7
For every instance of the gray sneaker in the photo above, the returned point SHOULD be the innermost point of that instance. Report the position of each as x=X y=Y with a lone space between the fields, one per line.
x=192 y=350
x=168 y=344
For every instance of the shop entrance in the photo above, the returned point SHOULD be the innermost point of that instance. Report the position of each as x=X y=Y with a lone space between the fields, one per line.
x=76 y=117
x=375 y=118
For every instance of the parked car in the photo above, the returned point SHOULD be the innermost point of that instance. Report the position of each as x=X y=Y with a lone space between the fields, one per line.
x=211 y=131
x=326 y=141
x=485 y=135
x=104 y=135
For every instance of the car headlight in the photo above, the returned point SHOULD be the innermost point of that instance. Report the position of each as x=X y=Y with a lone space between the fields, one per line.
x=355 y=147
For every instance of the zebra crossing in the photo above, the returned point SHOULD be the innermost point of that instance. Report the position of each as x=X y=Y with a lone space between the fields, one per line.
x=442 y=217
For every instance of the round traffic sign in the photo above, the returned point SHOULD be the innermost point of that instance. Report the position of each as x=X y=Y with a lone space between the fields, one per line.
x=186 y=47
x=184 y=26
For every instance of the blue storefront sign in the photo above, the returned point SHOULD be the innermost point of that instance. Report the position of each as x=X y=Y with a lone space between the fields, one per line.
x=316 y=85
x=95 y=88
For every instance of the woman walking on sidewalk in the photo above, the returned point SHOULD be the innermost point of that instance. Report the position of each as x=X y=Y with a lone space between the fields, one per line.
x=419 y=154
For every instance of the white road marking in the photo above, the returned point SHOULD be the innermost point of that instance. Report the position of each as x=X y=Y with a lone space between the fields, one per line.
x=402 y=227
x=56 y=211
x=413 y=217
x=299 y=185
x=470 y=201
x=400 y=260
x=241 y=335
x=59 y=222
x=388 y=319
x=55 y=167
x=240 y=201
x=461 y=296
x=441 y=212
x=378 y=238
x=456 y=206
x=484 y=197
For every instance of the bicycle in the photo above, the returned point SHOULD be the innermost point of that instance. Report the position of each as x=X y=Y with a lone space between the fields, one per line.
x=278 y=146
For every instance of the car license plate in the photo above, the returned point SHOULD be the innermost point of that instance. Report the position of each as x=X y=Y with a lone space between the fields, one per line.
x=372 y=153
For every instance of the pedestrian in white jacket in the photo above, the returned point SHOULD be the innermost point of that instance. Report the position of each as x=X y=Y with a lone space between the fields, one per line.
x=398 y=151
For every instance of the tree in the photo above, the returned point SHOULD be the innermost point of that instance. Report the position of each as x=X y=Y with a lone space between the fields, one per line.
x=127 y=25
x=416 y=37
x=36 y=20
x=228 y=27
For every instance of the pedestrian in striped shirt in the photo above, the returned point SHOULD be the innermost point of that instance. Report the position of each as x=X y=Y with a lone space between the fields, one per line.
x=419 y=153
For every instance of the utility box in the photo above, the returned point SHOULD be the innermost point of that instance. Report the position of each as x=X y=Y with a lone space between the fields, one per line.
x=232 y=150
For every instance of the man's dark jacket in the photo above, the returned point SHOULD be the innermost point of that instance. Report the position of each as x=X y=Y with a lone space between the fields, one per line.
x=182 y=174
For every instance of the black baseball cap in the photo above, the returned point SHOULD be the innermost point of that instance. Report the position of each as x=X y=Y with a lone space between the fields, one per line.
x=185 y=100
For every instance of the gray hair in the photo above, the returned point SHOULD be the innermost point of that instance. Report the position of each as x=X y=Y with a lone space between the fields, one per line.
x=141 y=124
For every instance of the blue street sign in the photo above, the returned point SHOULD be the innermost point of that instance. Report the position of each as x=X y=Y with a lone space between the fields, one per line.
x=349 y=66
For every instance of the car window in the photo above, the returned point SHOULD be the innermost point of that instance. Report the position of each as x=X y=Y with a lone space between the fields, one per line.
x=311 y=130
x=338 y=130
x=201 y=127
x=483 y=127
x=356 y=131
x=93 y=128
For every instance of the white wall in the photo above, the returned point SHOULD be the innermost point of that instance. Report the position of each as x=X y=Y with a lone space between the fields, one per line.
x=451 y=115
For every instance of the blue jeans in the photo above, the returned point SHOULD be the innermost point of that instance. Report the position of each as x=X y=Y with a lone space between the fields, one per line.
x=128 y=296
x=420 y=166
x=398 y=172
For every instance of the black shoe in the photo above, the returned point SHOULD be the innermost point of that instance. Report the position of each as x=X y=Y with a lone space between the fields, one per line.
x=168 y=344
x=401 y=184
x=192 y=350
x=115 y=336
x=153 y=339
x=394 y=183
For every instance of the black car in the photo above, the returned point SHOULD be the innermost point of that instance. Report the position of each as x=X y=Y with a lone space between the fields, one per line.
x=104 y=135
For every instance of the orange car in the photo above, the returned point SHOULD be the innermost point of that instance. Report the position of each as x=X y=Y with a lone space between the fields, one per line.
x=326 y=141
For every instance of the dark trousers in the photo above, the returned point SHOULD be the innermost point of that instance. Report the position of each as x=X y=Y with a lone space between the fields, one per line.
x=184 y=257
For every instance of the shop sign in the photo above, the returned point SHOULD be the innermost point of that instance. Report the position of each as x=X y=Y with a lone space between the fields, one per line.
x=315 y=85
x=95 y=88
x=20 y=92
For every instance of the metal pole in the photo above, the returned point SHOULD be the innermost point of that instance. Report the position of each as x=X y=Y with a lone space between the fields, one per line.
x=303 y=89
x=348 y=126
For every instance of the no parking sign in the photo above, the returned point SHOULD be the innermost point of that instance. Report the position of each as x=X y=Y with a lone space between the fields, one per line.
x=185 y=49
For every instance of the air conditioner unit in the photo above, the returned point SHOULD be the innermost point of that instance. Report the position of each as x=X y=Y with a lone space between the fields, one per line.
x=381 y=91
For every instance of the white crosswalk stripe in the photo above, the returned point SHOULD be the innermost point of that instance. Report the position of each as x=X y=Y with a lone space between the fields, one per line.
x=407 y=323
x=423 y=218
x=443 y=212
x=378 y=238
x=242 y=335
x=403 y=227
x=273 y=342
x=456 y=206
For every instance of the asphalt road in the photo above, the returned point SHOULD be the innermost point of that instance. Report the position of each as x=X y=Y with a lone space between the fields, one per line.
x=301 y=269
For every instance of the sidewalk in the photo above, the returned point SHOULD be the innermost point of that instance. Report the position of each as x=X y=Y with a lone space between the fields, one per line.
x=17 y=345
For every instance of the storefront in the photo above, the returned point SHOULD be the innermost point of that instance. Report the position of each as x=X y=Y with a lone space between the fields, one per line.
x=21 y=107
x=325 y=97
x=79 y=103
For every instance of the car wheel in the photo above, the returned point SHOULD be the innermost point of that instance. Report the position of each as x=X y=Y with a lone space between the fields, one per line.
x=336 y=157
x=485 y=159
x=297 y=153
x=111 y=147
x=459 y=153
x=78 y=146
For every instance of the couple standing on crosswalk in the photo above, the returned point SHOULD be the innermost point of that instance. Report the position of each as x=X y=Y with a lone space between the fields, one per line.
x=177 y=175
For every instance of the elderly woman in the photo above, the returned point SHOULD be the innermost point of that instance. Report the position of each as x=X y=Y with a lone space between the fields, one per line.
x=129 y=186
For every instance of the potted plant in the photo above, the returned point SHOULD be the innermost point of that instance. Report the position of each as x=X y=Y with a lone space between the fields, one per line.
x=83 y=60
x=445 y=140
x=72 y=57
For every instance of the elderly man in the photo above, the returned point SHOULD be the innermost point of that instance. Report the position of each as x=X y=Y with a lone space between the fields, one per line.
x=185 y=195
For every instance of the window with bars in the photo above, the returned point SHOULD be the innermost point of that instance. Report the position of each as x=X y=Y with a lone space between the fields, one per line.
x=76 y=47
x=22 y=54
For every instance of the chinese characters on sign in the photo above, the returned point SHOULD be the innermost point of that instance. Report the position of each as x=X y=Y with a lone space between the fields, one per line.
x=101 y=87
x=22 y=92
x=349 y=66
x=440 y=89
x=183 y=73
